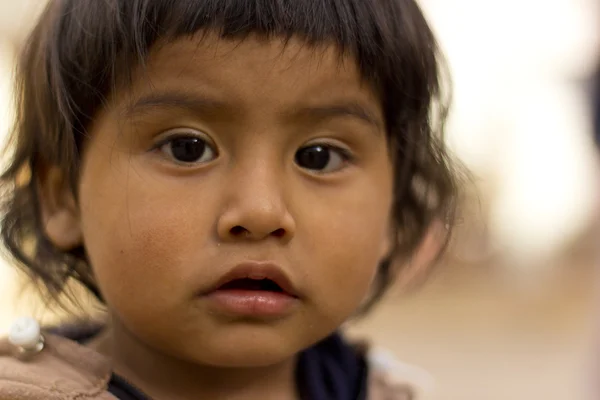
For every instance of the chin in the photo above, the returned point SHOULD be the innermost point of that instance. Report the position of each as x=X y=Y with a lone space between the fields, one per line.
x=246 y=356
x=245 y=350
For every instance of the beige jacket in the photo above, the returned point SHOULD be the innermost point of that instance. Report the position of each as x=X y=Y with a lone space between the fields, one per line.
x=65 y=370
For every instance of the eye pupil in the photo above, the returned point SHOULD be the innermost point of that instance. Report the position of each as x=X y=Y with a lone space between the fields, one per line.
x=188 y=149
x=314 y=157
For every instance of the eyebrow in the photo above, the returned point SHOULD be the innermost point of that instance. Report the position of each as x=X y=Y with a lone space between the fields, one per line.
x=177 y=100
x=349 y=109
x=196 y=103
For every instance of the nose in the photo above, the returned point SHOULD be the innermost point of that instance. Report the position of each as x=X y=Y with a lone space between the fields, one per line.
x=255 y=207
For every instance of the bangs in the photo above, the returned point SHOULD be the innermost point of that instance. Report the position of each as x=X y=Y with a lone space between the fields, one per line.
x=97 y=43
x=346 y=24
x=102 y=30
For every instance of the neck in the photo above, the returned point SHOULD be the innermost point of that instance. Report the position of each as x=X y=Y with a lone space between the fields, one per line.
x=163 y=377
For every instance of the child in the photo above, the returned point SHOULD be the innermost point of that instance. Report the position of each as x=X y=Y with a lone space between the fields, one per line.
x=232 y=179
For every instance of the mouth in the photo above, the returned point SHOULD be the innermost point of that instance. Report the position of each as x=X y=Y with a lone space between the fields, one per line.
x=248 y=284
x=256 y=277
x=254 y=290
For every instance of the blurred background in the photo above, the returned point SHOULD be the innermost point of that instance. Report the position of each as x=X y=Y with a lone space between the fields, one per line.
x=509 y=313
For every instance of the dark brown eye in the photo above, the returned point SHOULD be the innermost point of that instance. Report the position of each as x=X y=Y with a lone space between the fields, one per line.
x=321 y=158
x=188 y=150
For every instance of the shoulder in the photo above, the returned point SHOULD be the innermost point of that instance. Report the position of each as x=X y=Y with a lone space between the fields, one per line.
x=391 y=379
x=63 y=370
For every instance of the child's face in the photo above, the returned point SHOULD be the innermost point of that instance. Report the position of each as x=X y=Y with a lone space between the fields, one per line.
x=223 y=153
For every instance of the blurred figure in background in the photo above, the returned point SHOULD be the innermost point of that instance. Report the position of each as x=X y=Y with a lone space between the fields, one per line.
x=596 y=105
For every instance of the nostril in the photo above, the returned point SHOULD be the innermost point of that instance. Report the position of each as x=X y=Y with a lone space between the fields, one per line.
x=279 y=232
x=238 y=230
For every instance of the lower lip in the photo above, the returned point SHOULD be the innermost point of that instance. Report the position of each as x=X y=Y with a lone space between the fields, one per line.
x=252 y=303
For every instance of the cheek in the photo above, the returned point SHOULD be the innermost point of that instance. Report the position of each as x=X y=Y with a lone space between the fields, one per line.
x=347 y=234
x=142 y=239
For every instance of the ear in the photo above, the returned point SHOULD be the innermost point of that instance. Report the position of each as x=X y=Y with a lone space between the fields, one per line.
x=59 y=210
x=387 y=245
x=424 y=256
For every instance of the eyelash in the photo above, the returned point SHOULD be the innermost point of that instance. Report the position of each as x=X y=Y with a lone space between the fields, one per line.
x=179 y=134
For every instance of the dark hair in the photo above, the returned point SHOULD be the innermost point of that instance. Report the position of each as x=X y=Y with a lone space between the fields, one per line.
x=80 y=50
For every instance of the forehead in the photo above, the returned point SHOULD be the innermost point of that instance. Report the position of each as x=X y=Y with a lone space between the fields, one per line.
x=254 y=69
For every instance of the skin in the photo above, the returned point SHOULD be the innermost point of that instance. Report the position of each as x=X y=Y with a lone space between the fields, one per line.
x=158 y=232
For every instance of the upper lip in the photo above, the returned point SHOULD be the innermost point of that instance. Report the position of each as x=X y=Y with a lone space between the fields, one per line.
x=259 y=271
